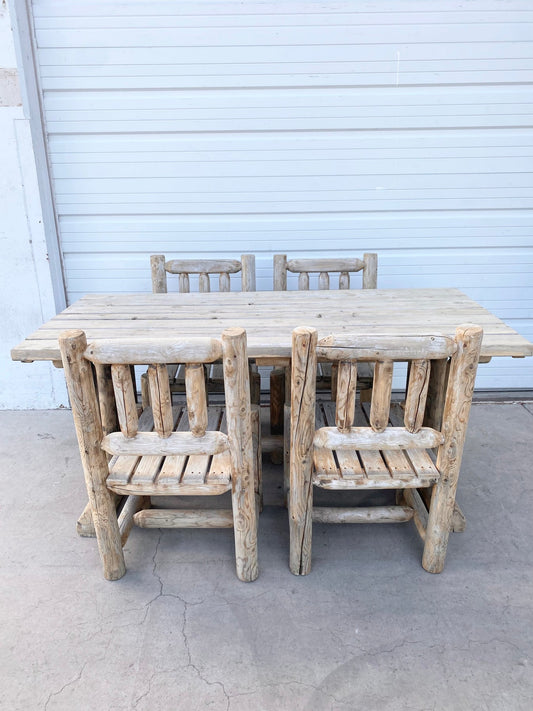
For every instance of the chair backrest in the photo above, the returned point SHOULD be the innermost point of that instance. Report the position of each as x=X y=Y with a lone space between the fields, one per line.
x=323 y=267
x=203 y=268
x=115 y=359
x=452 y=360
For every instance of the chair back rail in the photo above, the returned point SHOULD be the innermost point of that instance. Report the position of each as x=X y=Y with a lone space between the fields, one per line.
x=324 y=267
x=204 y=268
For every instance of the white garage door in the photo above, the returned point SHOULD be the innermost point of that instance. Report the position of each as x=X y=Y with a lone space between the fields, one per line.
x=211 y=128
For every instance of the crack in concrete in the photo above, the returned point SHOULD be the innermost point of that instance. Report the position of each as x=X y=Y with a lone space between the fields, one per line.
x=69 y=683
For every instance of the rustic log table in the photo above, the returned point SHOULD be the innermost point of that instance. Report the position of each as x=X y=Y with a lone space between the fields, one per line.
x=269 y=318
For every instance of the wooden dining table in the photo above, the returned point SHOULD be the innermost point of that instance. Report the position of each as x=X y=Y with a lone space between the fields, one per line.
x=269 y=318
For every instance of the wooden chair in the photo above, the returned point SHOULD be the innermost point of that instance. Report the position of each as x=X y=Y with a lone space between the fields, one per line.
x=324 y=267
x=388 y=448
x=203 y=269
x=183 y=451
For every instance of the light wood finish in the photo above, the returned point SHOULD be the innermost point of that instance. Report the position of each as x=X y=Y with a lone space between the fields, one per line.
x=82 y=393
x=457 y=404
x=184 y=518
x=362 y=514
x=125 y=400
x=193 y=450
x=376 y=453
x=346 y=390
x=203 y=268
x=270 y=317
x=323 y=267
x=302 y=431
x=161 y=351
x=381 y=392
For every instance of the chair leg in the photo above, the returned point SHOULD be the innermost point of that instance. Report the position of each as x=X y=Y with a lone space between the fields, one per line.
x=301 y=534
x=439 y=526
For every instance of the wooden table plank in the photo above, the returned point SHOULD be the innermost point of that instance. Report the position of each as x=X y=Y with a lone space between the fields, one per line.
x=269 y=318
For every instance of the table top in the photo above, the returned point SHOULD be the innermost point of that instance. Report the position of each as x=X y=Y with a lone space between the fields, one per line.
x=270 y=316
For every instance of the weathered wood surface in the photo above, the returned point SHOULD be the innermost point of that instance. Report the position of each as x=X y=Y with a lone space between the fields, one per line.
x=362 y=514
x=240 y=436
x=184 y=518
x=85 y=410
x=302 y=430
x=360 y=312
x=457 y=404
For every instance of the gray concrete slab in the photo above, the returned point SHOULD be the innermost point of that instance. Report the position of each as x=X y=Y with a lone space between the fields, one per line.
x=367 y=629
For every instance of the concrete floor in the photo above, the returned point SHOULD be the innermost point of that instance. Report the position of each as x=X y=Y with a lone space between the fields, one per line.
x=367 y=629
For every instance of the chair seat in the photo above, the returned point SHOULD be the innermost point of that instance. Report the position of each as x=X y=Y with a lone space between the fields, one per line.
x=384 y=469
x=177 y=474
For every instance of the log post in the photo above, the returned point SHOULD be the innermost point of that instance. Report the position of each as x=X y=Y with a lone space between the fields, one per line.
x=248 y=272
x=463 y=367
x=238 y=415
x=159 y=274
x=80 y=384
x=303 y=397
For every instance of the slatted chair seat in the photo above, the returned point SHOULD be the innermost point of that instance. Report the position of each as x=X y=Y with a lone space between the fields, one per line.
x=370 y=469
x=351 y=445
x=186 y=475
x=165 y=450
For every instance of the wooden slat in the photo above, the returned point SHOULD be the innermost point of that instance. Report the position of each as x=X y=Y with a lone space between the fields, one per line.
x=149 y=466
x=160 y=399
x=349 y=464
x=381 y=394
x=399 y=465
x=323 y=281
x=125 y=400
x=303 y=281
x=224 y=282
x=372 y=461
x=198 y=465
x=220 y=466
x=417 y=390
x=204 y=285
x=121 y=469
x=196 y=398
x=323 y=458
x=420 y=459
x=184 y=284
x=346 y=391
x=344 y=280
x=173 y=465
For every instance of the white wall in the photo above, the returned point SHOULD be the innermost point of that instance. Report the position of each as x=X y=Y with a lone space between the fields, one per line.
x=26 y=297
